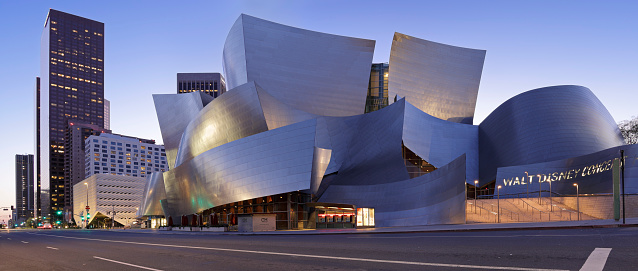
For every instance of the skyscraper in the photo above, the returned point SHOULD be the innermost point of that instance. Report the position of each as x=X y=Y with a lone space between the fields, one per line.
x=70 y=87
x=24 y=186
x=212 y=84
x=107 y=114
x=378 y=87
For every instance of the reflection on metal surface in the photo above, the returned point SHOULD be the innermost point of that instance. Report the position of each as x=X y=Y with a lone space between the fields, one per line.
x=439 y=79
x=434 y=198
x=267 y=163
x=592 y=172
x=322 y=74
x=234 y=115
x=154 y=191
x=293 y=122
x=174 y=112
x=543 y=125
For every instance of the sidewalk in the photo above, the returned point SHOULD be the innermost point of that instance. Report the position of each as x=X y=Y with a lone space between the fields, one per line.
x=630 y=222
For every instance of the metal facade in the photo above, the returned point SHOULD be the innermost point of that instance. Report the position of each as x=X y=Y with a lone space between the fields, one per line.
x=267 y=163
x=434 y=198
x=292 y=121
x=174 y=113
x=322 y=74
x=154 y=192
x=543 y=125
x=439 y=79
x=592 y=173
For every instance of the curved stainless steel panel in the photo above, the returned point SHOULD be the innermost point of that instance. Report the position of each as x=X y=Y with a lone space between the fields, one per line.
x=278 y=114
x=154 y=191
x=543 y=125
x=319 y=73
x=434 y=198
x=234 y=115
x=367 y=148
x=264 y=164
x=592 y=172
x=440 y=142
x=439 y=79
x=174 y=112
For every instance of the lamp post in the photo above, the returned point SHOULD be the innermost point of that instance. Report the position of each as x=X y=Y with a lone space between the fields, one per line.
x=86 y=220
x=539 y=188
x=498 y=203
x=527 y=175
x=551 y=205
x=577 y=201
x=475 y=188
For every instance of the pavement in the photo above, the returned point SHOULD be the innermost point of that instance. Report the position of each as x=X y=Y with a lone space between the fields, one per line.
x=605 y=223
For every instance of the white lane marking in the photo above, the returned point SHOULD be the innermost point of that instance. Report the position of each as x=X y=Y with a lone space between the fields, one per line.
x=129 y=264
x=315 y=256
x=8 y=238
x=24 y=242
x=596 y=260
x=484 y=236
x=52 y=248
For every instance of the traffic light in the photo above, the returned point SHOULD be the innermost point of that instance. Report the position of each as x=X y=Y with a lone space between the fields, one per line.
x=88 y=216
x=12 y=208
x=59 y=212
x=57 y=222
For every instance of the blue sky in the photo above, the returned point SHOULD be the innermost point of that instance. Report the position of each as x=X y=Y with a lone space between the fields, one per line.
x=529 y=45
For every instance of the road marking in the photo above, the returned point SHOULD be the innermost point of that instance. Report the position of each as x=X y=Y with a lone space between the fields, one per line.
x=8 y=238
x=24 y=242
x=484 y=236
x=52 y=248
x=596 y=260
x=129 y=264
x=315 y=256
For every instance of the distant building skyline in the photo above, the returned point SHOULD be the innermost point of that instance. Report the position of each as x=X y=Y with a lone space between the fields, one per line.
x=123 y=155
x=378 y=87
x=70 y=87
x=212 y=83
x=24 y=186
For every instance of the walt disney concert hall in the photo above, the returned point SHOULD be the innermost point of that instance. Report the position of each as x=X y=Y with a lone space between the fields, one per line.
x=293 y=137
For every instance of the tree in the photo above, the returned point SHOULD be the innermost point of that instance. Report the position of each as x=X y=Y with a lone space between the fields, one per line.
x=629 y=130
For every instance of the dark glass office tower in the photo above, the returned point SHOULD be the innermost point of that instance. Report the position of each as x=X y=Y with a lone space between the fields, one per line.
x=378 y=87
x=24 y=187
x=71 y=87
x=212 y=84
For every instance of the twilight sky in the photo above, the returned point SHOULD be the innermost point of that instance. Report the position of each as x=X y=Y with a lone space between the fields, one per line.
x=529 y=45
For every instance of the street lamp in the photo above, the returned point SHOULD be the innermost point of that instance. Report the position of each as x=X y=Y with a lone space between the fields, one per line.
x=577 y=201
x=86 y=221
x=498 y=203
x=539 y=188
x=475 y=188
x=551 y=205
x=527 y=175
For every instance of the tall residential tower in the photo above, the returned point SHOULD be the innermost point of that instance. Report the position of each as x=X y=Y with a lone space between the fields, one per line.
x=70 y=87
x=24 y=186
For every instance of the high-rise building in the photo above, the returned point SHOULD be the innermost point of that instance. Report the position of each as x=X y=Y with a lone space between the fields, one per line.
x=210 y=83
x=70 y=87
x=74 y=154
x=378 y=87
x=24 y=186
x=107 y=114
x=122 y=155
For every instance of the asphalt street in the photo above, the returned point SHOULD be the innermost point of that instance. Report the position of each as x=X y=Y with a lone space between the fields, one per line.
x=564 y=249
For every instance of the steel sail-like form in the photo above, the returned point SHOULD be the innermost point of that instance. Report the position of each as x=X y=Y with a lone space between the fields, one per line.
x=293 y=122
x=319 y=73
x=439 y=79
